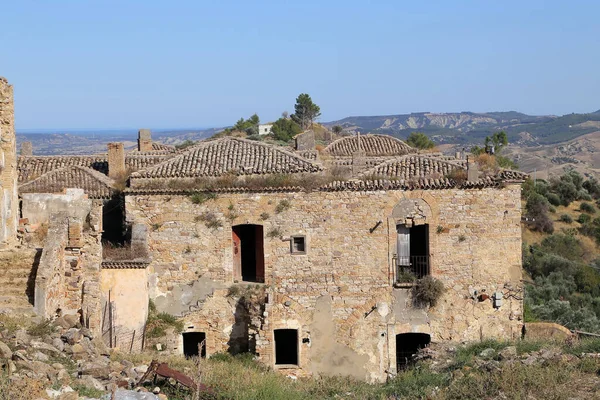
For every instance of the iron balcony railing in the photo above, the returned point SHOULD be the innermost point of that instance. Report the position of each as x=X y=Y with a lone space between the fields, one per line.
x=408 y=266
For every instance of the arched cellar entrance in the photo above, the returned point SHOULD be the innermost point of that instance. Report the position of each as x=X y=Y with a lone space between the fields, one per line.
x=407 y=345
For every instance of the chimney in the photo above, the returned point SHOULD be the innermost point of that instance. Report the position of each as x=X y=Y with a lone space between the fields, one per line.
x=26 y=149
x=116 y=160
x=144 y=140
x=472 y=171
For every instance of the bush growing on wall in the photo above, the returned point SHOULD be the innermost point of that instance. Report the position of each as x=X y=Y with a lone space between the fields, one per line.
x=428 y=290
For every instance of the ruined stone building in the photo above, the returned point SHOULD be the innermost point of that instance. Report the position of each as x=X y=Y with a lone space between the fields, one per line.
x=311 y=263
x=8 y=165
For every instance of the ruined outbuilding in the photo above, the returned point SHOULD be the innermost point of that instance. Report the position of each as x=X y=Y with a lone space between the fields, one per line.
x=9 y=205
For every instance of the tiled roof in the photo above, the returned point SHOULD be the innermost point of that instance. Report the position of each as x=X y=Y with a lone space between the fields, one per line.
x=222 y=156
x=135 y=162
x=308 y=154
x=94 y=184
x=31 y=167
x=157 y=148
x=510 y=175
x=403 y=184
x=372 y=145
x=411 y=167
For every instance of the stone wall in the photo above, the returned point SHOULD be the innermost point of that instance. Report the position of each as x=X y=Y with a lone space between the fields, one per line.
x=68 y=275
x=8 y=165
x=340 y=293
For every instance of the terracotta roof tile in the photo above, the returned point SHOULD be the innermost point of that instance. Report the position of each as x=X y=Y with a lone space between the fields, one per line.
x=31 y=167
x=94 y=184
x=412 y=167
x=372 y=145
x=157 y=148
x=221 y=156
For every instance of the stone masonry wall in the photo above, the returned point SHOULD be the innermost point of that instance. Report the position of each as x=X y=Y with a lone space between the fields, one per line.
x=340 y=294
x=8 y=165
x=68 y=275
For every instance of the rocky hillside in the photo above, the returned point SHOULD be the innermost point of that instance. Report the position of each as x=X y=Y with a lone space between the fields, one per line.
x=469 y=127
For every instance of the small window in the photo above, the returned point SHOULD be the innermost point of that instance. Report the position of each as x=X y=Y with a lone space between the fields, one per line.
x=298 y=244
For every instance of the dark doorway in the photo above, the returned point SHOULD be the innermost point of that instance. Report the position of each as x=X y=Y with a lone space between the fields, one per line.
x=407 y=345
x=248 y=253
x=113 y=221
x=192 y=341
x=286 y=346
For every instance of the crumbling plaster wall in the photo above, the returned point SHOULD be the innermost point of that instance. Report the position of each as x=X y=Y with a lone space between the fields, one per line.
x=477 y=246
x=9 y=205
x=38 y=207
x=127 y=290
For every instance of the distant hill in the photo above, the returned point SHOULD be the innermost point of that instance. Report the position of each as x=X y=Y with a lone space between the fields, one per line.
x=90 y=142
x=469 y=127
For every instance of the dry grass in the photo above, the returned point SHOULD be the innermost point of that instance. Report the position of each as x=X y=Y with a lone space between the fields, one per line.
x=113 y=252
x=305 y=181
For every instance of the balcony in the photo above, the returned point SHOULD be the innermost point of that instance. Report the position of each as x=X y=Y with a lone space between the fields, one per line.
x=409 y=268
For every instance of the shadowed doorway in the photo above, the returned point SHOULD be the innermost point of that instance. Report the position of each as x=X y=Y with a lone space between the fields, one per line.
x=248 y=253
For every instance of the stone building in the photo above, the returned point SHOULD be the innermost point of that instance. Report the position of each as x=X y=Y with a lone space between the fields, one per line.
x=325 y=259
x=257 y=248
x=8 y=163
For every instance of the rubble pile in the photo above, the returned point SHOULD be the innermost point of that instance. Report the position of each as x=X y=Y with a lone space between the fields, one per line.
x=63 y=355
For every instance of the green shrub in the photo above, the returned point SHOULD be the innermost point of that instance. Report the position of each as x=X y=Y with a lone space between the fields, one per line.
x=584 y=218
x=587 y=208
x=553 y=199
x=566 y=218
x=202 y=197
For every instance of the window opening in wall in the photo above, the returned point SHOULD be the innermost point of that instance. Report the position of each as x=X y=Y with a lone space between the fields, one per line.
x=286 y=346
x=407 y=346
x=194 y=344
x=412 y=250
x=248 y=253
x=298 y=245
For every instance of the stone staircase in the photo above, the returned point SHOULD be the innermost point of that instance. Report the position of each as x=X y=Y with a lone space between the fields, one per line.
x=17 y=280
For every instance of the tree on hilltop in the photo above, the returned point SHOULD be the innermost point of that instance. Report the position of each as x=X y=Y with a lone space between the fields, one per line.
x=305 y=111
x=420 y=141
x=337 y=129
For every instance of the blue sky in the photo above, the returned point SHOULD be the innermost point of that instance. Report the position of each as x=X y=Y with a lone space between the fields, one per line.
x=181 y=64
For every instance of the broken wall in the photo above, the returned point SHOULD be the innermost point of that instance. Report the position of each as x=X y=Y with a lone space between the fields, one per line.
x=475 y=245
x=38 y=207
x=9 y=205
x=68 y=275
